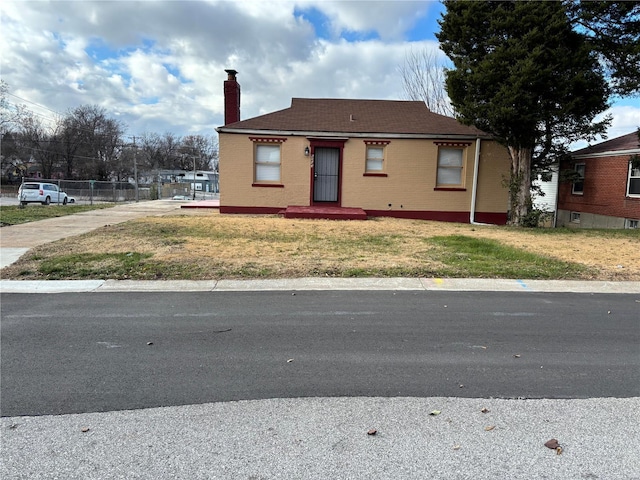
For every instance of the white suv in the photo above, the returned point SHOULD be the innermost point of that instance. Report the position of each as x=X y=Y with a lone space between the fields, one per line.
x=44 y=193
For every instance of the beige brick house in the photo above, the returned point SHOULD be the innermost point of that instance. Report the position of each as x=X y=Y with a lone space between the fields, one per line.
x=385 y=158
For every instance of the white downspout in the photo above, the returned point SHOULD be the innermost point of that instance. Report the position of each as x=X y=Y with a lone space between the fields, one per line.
x=474 y=190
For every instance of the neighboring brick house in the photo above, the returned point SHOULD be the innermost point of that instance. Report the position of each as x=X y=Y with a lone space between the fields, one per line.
x=385 y=158
x=607 y=192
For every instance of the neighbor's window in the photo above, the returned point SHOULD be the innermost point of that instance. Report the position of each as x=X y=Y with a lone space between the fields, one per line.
x=575 y=217
x=578 y=184
x=633 y=185
x=630 y=223
x=267 y=163
x=375 y=159
x=450 y=167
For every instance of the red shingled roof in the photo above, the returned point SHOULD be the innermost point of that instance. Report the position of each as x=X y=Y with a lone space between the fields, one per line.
x=629 y=141
x=328 y=115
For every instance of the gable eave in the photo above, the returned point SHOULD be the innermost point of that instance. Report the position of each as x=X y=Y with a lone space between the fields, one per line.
x=317 y=134
x=610 y=153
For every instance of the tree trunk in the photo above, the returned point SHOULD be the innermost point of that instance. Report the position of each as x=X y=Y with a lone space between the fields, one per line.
x=519 y=184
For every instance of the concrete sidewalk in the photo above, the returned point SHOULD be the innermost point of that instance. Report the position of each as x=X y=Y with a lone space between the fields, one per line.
x=16 y=240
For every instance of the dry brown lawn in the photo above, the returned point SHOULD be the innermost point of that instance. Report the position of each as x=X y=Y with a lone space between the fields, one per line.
x=235 y=246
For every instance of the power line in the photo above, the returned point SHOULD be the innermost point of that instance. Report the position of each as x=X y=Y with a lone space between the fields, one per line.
x=34 y=103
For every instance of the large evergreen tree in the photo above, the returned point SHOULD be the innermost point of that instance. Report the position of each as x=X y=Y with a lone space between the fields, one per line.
x=612 y=29
x=525 y=76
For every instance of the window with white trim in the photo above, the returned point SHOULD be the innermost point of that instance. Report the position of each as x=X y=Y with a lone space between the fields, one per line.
x=450 y=167
x=578 y=184
x=267 y=163
x=633 y=183
x=375 y=159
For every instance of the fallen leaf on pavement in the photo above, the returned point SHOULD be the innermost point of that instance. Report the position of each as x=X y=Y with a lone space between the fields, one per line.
x=456 y=447
x=290 y=360
x=489 y=428
x=435 y=412
x=85 y=429
x=373 y=431
x=516 y=356
x=552 y=444
x=485 y=410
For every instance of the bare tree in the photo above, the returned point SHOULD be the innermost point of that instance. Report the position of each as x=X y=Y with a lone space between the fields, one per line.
x=168 y=150
x=41 y=144
x=92 y=140
x=11 y=116
x=423 y=78
x=203 y=149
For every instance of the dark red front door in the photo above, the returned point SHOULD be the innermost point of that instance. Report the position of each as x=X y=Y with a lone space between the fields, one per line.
x=326 y=181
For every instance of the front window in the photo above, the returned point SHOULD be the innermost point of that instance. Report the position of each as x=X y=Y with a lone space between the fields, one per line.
x=633 y=188
x=375 y=159
x=578 y=183
x=267 y=163
x=375 y=162
x=450 y=167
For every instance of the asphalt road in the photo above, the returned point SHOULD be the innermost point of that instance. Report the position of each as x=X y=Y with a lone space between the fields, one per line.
x=73 y=353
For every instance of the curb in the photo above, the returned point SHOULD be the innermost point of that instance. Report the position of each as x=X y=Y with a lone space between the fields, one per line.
x=319 y=284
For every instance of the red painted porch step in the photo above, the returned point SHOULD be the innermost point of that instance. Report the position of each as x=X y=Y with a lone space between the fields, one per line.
x=330 y=213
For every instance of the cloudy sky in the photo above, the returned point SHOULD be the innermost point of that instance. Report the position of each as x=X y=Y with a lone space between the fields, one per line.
x=158 y=66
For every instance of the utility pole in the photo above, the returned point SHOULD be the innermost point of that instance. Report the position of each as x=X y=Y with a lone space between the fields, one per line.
x=135 y=168
x=194 y=177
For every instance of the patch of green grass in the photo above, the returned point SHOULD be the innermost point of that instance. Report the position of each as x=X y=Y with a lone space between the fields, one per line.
x=15 y=214
x=92 y=265
x=119 y=266
x=389 y=272
x=463 y=256
x=250 y=270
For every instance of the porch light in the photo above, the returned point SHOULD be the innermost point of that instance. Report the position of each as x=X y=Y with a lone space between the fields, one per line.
x=306 y=151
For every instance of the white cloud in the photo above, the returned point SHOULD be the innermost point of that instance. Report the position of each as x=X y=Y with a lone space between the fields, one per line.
x=159 y=65
x=626 y=119
x=390 y=20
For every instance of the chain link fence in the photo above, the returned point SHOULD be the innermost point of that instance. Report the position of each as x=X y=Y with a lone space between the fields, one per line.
x=90 y=191
x=93 y=191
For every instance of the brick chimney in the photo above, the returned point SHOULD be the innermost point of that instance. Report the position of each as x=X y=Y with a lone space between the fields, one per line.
x=231 y=98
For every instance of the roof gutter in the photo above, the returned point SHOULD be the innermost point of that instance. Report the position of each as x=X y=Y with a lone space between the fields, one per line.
x=610 y=153
x=435 y=136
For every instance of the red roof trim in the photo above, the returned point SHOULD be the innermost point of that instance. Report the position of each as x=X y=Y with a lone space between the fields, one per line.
x=268 y=139
x=452 y=144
